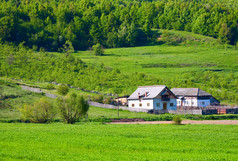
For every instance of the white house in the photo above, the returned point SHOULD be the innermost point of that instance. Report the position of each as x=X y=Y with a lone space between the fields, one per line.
x=193 y=97
x=156 y=97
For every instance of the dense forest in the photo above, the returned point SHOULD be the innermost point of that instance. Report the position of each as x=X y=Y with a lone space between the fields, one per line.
x=49 y=24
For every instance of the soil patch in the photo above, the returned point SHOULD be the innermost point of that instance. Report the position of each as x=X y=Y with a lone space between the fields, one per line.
x=127 y=120
x=217 y=122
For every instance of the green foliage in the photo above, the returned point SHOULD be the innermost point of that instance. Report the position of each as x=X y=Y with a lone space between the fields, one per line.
x=98 y=49
x=51 y=86
x=224 y=34
x=107 y=100
x=41 y=112
x=209 y=68
x=98 y=98
x=68 y=48
x=177 y=120
x=1 y=95
x=62 y=89
x=53 y=25
x=171 y=39
x=72 y=108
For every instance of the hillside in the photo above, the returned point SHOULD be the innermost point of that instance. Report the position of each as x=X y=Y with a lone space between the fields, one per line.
x=197 y=62
x=201 y=62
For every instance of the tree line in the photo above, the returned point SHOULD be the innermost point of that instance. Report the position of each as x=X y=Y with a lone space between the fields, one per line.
x=49 y=25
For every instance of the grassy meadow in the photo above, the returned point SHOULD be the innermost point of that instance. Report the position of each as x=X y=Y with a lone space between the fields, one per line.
x=118 y=142
x=165 y=61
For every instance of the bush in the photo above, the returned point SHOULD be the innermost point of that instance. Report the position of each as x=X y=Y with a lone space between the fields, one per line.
x=50 y=86
x=98 y=49
x=41 y=112
x=177 y=120
x=72 y=108
x=98 y=98
x=62 y=89
x=107 y=101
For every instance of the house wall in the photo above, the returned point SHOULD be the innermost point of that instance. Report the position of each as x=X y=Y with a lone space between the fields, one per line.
x=188 y=101
x=160 y=107
x=193 y=102
x=153 y=104
x=144 y=103
x=203 y=103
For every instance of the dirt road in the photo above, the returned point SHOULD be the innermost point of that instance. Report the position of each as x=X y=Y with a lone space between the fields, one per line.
x=221 y=122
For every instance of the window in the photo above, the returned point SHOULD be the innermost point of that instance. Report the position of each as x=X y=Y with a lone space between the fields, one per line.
x=171 y=104
x=132 y=105
x=158 y=104
x=179 y=102
x=203 y=103
x=148 y=104
x=140 y=104
x=192 y=103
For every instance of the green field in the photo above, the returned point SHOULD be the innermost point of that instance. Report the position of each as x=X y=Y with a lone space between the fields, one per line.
x=165 y=61
x=118 y=142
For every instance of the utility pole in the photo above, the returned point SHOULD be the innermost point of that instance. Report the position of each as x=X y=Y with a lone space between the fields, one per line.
x=117 y=106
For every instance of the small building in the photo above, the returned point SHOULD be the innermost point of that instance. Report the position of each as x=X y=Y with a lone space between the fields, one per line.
x=194 y=97
x=122 y=100
x=157 y=97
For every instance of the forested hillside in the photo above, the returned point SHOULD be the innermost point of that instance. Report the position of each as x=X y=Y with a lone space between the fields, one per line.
x=48 y=24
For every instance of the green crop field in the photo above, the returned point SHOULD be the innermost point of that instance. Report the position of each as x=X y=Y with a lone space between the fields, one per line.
x=118 y=142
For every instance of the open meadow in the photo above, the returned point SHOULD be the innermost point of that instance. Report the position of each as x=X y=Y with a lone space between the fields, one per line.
x=118 y=142
x=165 y=61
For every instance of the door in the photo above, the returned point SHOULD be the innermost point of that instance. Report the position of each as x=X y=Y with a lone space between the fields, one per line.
x=164 y=106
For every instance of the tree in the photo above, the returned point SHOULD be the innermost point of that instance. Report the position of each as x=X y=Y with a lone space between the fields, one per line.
x=41 y=112
x=1 y=94
x=62 y=89
x=68 y=47
x=224 y=34
x=98 y=49
x=72 y=108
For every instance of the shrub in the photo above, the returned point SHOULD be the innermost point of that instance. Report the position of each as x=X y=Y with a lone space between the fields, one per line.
x=98 y=98
x=50 y=86
x=107 y=101
x=62 y=89
x=41 y=112
x=98 y=49
x=72 y=108
x=177 y=120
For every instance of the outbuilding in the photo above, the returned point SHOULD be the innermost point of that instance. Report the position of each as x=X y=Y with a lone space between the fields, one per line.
x=194 y=97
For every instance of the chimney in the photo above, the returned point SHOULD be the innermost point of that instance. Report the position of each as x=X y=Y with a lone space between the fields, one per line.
x=145 y=94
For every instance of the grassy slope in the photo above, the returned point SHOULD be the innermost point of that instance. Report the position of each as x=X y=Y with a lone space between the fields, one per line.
x=186 y=59
x=118 y=142
x=16 y=97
